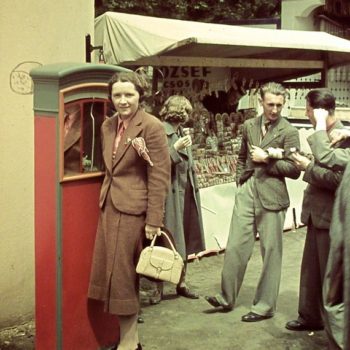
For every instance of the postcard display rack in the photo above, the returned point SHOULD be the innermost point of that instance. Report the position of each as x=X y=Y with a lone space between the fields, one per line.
x=216 y=123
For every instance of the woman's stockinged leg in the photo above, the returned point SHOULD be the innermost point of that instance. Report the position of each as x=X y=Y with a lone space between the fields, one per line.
x=129 y=337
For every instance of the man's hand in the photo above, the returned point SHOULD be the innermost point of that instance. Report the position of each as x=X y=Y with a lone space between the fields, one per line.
x=258 y=155
x=338 y=135
x=152 y=231
x=321 y=116
x=300 y=161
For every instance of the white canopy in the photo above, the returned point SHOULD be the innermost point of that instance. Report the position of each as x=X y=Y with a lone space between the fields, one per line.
x=141 y=40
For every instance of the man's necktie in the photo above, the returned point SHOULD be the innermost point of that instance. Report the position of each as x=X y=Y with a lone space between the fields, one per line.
x=265 y=128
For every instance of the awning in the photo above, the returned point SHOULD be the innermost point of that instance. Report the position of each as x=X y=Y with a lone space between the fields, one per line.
x=265 y=53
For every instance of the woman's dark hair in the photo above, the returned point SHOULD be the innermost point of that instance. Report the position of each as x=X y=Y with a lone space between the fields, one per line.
x=139 y=79
x=321 y=98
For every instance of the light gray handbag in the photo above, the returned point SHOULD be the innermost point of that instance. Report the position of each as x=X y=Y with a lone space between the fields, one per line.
x=160 y=263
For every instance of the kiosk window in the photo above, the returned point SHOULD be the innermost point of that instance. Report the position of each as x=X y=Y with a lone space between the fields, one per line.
x=82 y=153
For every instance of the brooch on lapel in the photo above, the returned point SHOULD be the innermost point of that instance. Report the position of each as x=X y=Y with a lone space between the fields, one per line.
x=139 y=145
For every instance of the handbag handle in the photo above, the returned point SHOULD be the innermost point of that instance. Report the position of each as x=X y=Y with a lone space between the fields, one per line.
x=169 y=240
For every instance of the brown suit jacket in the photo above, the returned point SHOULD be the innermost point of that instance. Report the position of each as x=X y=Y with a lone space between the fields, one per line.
x=137 y=188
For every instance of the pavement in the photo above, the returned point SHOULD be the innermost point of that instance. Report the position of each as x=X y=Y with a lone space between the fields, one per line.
x=178 y=323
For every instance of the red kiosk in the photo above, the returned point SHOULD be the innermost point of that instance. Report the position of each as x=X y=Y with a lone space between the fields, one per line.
x=70 y=104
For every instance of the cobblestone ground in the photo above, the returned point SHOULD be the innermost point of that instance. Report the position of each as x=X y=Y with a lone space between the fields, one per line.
x=18 y=338
x=181 y=324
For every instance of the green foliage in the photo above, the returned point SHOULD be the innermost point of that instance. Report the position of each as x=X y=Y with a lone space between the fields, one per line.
x=215 y=11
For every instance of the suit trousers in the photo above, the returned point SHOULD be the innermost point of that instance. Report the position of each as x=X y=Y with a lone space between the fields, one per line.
x=248 y=218
x=333 y=290
x=313 y=267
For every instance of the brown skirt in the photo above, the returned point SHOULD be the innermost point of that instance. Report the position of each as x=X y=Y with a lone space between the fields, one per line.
x=117 y=248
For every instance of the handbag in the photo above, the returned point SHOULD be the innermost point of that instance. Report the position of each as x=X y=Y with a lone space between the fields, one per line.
x=160 y=263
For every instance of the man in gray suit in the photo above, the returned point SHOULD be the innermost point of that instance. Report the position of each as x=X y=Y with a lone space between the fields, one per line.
x=261 y=202
x=336 y=286
x=316 y=213
x=337 y=279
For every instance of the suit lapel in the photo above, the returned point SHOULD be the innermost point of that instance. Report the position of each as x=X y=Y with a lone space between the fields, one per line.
x=255 y=132
x=272 y=133
x=108 y=141
x=129 y=134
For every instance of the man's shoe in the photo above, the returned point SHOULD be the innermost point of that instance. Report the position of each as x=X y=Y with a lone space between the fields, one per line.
x=253 y=317
x=296 y=325
x=213 y=301
x=184 y=291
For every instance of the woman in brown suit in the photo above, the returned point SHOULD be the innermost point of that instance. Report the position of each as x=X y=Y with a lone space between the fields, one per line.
x=133 y=193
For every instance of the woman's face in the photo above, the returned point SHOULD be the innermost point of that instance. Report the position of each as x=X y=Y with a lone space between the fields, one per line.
x=125 y=99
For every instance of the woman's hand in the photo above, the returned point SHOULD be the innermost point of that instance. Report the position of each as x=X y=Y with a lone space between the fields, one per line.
x=152 y=231
x=183 y=142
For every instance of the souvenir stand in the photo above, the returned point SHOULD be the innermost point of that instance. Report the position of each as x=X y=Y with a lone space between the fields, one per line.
x=220 y=69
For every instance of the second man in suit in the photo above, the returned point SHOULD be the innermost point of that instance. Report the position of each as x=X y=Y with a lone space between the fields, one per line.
x=261 y=201
x=316 y=214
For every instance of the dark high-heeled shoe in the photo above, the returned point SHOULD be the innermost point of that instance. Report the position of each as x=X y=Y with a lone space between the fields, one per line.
x=115 y=347
x=156 y=297
x=184 y=291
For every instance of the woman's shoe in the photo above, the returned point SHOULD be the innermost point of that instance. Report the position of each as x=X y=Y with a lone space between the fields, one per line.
x=184 y=291
x=115 y=347
x=156 y=297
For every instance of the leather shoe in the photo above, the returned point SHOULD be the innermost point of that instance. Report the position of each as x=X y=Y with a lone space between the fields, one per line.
x=213 y=301
x=156 y=297
x=296 y=325
x=184 y=291
x=253 y=317
x=115 y=347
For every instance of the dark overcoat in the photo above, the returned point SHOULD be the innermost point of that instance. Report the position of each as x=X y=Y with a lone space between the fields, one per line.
x=183 y=217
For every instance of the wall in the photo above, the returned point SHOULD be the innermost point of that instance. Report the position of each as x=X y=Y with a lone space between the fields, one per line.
x=32 y=33
x=302 y=15
x=295 y=14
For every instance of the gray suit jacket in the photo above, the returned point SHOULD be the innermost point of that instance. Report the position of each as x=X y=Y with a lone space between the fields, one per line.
x=337 y=278
x=270 y=178
x=332 y=157
x=319 y=195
